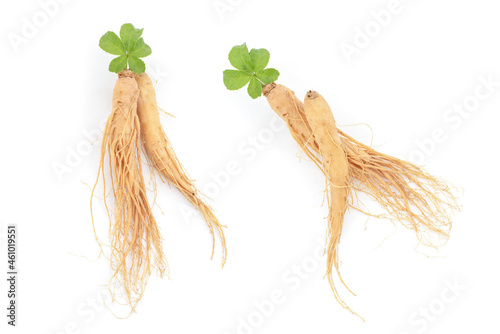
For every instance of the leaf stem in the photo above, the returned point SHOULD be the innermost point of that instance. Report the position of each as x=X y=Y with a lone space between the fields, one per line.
x=255 y=76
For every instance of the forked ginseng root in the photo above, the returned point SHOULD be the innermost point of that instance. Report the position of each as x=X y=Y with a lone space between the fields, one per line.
x=406 y=192
x=134 y=124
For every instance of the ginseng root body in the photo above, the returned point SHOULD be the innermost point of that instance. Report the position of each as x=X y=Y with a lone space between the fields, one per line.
x=406 y=192
x=336 y=167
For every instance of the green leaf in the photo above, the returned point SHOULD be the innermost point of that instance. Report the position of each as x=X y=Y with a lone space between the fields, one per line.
x=140 y=49
x=251 y=69
x=118 y=64
x=111 y=43
x=240 y=58
x=130 y=35
x=259 y=58
x=254 y=88
x=268 y=75
x=129 y=46
x=136 y=65
x=234 y=79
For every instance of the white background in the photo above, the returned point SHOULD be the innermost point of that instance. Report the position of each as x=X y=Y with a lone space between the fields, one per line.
x=429 y=58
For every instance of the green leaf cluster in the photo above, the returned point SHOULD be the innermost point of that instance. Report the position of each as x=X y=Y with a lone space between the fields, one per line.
x=129 y=47
x=250 y=69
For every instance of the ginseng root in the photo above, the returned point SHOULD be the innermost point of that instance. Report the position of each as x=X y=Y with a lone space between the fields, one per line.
x=320 y=119
x=405 y=191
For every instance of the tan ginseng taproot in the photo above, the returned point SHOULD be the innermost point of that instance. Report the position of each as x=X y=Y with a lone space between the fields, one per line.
x=161 y=155
x=136 y=244
x=133 y=126
x=405 y=191
x=320 y=119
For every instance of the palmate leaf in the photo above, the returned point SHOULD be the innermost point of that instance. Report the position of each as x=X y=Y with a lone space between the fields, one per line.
x=250 y=69
x=129 y=47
